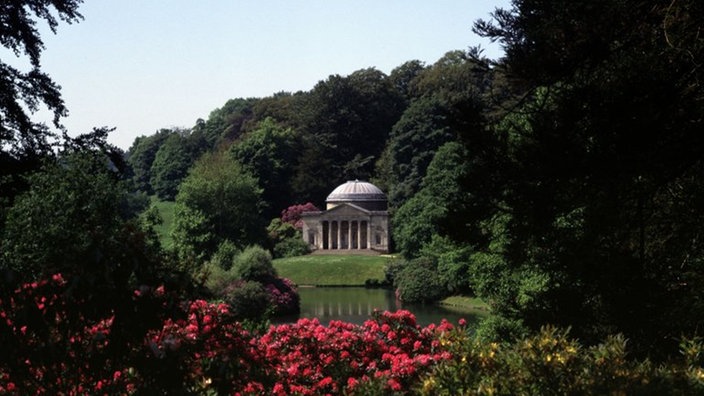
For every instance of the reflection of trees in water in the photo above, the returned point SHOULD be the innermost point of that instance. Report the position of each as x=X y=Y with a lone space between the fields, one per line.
x=356 y=305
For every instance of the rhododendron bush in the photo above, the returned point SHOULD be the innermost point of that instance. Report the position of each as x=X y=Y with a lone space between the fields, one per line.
x=53 y=341
x=50 y=346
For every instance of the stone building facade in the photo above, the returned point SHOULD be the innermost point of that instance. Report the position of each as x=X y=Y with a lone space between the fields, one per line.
x=356 y=218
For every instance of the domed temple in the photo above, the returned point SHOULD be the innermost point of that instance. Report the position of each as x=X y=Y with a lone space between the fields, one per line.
x=356 y=218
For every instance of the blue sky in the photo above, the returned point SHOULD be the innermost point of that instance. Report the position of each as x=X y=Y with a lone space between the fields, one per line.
x=144 y=65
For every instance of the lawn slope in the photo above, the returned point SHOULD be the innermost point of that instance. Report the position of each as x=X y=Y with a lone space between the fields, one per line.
x=332 y=270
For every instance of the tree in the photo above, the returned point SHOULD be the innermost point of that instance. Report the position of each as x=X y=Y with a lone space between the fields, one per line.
x=347 y=122
x=448 y=101
x=269 y=154
x=23 y=142
x=141 y=156
x=227 y=123
x=438 y=208
x=422 y=129
x=218 y=201
x=173 y=159
x=601 y=174
x=404 y=76
x=75 y=219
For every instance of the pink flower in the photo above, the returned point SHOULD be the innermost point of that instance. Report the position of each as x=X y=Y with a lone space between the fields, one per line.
x=351 y=382
x=327 y=381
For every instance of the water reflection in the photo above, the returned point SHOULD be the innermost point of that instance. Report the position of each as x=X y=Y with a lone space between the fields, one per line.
x=356 y=305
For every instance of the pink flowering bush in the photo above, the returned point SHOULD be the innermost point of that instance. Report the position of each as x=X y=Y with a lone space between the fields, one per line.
x=52 y=346
x=54 y=342
x=283 y=296
x=308 y=358
x=292 y=214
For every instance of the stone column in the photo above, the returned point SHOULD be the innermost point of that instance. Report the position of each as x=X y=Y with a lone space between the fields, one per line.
x=339 y=233
x=369 y=233
x=329 y=234
x=359 y=235
x=349 y=234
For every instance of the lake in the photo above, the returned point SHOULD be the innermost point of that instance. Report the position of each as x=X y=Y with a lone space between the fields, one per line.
x=356 y=304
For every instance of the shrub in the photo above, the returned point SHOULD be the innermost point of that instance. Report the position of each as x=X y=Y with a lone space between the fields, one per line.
x=283 y=296
x=248 y=299
x=392 y=268
x=217 y=279
x=254 y=264
x=291 y=247
x=286 y=240
x=552 y=363
x=224 y=257
x=292 y=214
x=418 y=281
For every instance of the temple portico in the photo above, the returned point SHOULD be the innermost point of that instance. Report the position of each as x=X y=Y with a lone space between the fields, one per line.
x=355 y=219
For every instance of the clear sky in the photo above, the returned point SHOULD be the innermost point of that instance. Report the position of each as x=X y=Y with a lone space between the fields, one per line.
x=142 y=65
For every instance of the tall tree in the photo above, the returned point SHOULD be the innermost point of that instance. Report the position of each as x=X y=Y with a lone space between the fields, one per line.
x=173 y=159
x=22 y=141
x=141 y=156
x=76 y=219
x=602 y=174
x=217 y=202
x=447 y=101
x=348 y=120
x=269 y=154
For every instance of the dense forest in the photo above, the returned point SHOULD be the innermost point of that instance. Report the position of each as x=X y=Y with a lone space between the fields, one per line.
x=562 y=183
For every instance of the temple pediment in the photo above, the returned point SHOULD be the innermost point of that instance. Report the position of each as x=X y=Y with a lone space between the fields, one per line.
x=347 y=209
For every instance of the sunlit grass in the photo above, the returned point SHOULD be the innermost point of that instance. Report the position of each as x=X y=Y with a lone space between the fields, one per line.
x=166 y=210
x=465 y=302
x=332 y=270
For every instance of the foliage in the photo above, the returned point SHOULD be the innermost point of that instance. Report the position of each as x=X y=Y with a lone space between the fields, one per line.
x=20 y=138
x=225 y=256
x=268 y=153
x=54 y=342
x=227 y=123
x=552 y=363
x=418 y=281
x=291 y=247
x=403 y=77
x=411 y=146
x=218 y=201
x=453 y=263
x=447 y=103
x=439 y=207
x=250 y=284
x=285 y=238
x=254 y=264
x=24 y=143
x=75 y=219
x=283 y=296
x=344 y=131
x=172 y=161
x=248 y=299
x=141 y=156
x=599 y=171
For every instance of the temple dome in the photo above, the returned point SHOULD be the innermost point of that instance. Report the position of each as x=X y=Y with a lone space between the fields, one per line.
x=360 y=193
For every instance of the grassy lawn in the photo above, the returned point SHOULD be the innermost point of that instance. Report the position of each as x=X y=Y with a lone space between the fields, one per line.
x=166 y=210
x=465 y=302
x=332 y=270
